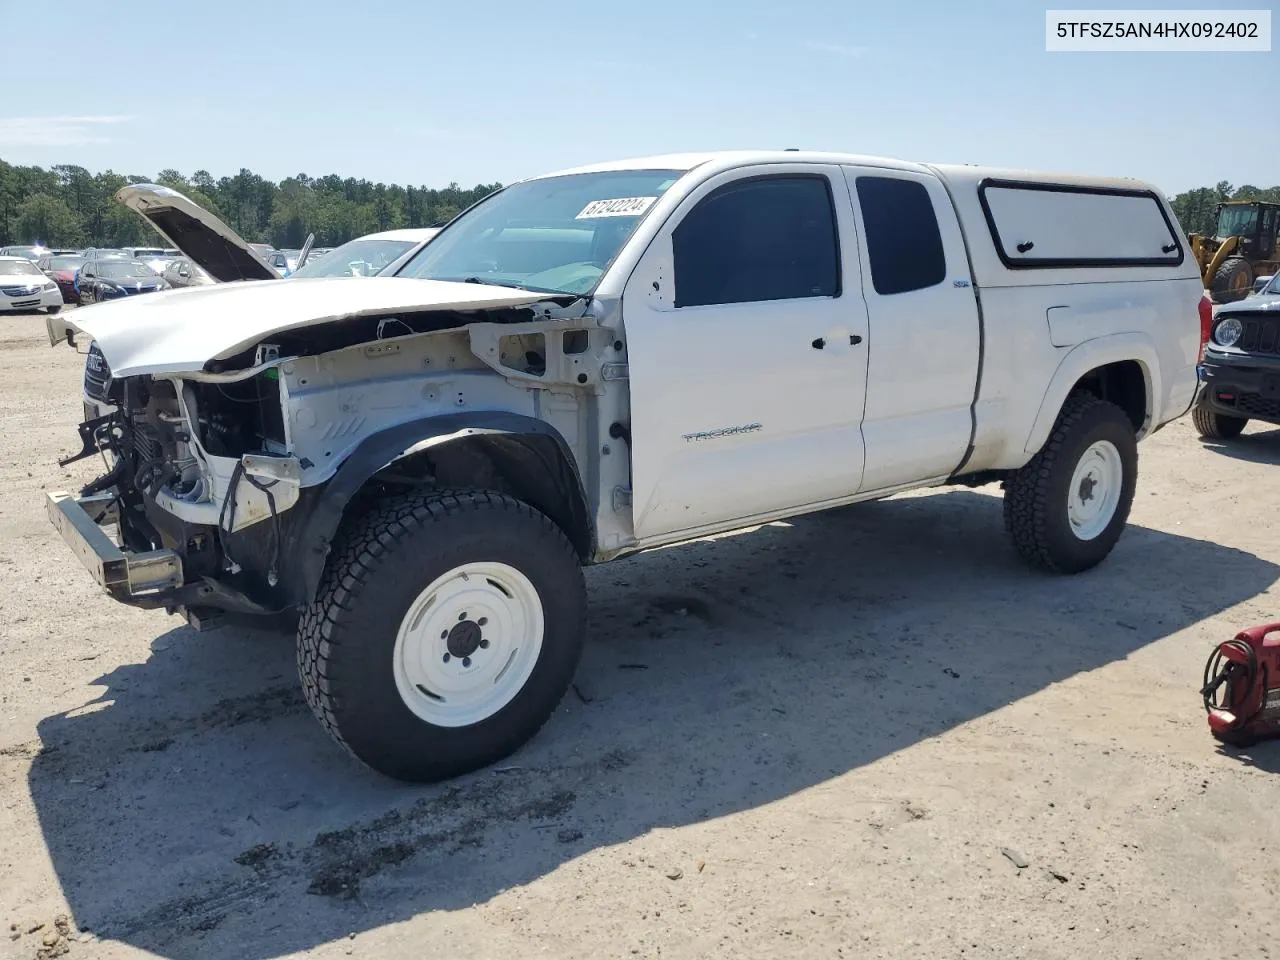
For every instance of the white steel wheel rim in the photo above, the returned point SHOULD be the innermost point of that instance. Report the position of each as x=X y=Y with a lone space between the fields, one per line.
x=1095 y=487
x=468 y=644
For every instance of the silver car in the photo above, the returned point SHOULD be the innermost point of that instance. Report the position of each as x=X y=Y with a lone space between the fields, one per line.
x=183 y=273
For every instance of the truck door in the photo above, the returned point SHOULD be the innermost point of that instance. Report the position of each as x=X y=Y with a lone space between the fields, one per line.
x=746 y=344
x=925 y=339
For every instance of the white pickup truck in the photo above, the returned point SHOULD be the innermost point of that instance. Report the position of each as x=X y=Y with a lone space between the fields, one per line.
x=596 y=362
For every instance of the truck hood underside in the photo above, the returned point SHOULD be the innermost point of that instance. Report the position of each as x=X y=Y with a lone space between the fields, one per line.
x=180 y=331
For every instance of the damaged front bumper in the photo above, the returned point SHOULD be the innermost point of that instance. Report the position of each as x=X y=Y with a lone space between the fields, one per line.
x=128 y=577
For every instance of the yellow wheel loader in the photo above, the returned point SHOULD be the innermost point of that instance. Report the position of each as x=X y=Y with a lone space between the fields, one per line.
x=1243 y=247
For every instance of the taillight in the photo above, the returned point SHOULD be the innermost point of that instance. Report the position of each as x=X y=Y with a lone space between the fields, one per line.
x=1206 y=324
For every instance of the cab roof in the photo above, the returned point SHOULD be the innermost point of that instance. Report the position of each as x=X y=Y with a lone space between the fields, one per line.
x=959 y=173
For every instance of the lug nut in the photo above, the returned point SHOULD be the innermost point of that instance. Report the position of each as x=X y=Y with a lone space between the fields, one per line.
x=482 y=621
x=444 y=634
x=446 y=658
x=484 y=644
x=462 y=616
x=466 y=661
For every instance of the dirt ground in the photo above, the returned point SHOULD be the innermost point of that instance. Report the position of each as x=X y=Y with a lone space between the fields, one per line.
x=869 y=733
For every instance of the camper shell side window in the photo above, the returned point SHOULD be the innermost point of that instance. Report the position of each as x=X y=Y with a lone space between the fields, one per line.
x=1048 y=225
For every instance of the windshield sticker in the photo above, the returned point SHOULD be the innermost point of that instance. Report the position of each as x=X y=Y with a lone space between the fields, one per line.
x=618 y=207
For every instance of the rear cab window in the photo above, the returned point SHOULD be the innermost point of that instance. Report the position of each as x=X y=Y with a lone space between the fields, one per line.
x=904 y=243
x=1048 y=225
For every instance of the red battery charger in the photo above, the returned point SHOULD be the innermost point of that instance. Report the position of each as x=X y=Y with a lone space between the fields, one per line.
x=1242 y=686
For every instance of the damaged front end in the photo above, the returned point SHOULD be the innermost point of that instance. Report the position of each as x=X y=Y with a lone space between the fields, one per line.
x=191 y=510
x=223 y=441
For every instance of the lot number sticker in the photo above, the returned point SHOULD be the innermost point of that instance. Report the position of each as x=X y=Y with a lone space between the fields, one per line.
x=618 y=207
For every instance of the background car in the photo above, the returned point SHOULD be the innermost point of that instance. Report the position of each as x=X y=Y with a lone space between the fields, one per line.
x=278 y=260
x=32 y=253
x=100 y=253
x=366 y=256
x=144 y=253
x=61 y=269
x=183 y=273
x=24 y=287
x=112 y=278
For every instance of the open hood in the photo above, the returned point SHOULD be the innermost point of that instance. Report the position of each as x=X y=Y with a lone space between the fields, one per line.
x=201 y=236
x=177 y=331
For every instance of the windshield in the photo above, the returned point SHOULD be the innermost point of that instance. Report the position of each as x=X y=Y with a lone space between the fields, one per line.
x=18 y=268
x=146 y=253
x=121 y=269
x=1237 y=221
x=66 y=263
x=1272 y=285
x=556 y=235
x=356 y=258
x=29 y=252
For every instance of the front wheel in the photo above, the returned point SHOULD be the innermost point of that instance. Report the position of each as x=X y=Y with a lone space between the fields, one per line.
x=446 y=630
x=1067 y=507
x=54 y=309
x=1212 y=425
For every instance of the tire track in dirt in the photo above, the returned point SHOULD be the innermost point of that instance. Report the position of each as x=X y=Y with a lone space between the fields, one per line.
x=336 y=862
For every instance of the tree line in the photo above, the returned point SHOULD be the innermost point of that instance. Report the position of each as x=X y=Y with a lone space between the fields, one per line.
x=67 y=206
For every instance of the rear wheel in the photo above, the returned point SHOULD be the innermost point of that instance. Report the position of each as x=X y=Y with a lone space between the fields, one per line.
x=446 y=631
x=1067 y=507
x=1232 y=280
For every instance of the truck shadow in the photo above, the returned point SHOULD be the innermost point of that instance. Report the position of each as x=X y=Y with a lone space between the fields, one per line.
x=200 y=811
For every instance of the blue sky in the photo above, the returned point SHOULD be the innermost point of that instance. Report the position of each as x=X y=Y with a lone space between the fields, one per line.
x=429 y=92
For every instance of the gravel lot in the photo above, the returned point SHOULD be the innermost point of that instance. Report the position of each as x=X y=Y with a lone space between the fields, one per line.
x=869 y=733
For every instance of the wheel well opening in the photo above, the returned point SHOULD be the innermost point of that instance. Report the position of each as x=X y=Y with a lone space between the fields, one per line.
x=529 y=467
x=1123 y=383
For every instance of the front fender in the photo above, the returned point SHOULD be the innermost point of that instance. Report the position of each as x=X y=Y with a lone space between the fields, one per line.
x=1087 y=356
x=315 y=531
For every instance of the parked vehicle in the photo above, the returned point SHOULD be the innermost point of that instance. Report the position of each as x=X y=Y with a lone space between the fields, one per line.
x=145 y=253
x=31 y=253
x=104 y=253
x=593 y=363
x=24 y=287
x=183 y=273
x=61 y=269
x=367 y=256
x=278 y=261
x=1240 y=374
x=110 y=279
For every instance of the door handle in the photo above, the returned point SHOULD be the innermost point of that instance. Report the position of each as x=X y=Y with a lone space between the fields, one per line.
x=821 y=342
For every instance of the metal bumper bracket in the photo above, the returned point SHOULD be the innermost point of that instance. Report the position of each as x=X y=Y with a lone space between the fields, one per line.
x=122 y=573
